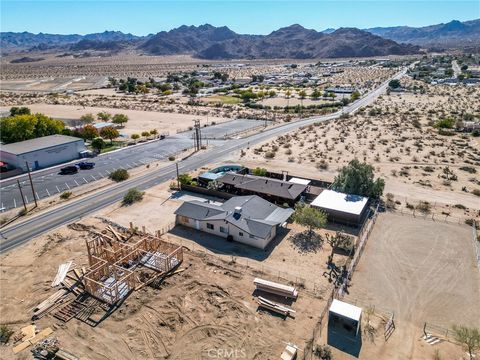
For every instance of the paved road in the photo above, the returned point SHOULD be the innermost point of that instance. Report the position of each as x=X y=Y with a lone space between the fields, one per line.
x=48 y=182
x=21 y=232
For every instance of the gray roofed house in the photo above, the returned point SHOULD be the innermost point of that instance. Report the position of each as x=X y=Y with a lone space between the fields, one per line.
x=273 y=189
x=247 y=219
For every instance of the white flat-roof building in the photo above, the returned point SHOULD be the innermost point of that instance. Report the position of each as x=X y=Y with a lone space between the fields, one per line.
x=344 y=316
x=300 y=181
x=341 y=207
x=42 y=152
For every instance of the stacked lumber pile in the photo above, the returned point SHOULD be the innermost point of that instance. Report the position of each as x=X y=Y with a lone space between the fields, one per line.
x=275 y=288
x=49 y=304
x=275 y=307
x=33 y=340
x=61 y=273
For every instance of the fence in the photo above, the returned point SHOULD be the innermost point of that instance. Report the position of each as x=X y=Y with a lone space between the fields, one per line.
x=437 y=330
x=476 y=244
x=339 y=292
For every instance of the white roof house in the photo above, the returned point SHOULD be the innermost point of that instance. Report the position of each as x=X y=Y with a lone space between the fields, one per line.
x=329 y=199
x=346 y=310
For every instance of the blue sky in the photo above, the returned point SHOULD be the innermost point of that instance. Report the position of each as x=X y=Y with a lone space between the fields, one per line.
x=245 y=16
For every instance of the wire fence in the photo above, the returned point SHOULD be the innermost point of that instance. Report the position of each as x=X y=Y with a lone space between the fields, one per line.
x=476 y=244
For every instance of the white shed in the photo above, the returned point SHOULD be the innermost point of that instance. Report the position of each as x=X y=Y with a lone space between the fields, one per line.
x=344 y=316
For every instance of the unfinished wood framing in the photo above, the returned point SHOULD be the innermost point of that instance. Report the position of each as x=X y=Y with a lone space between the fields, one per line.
x=111 y=275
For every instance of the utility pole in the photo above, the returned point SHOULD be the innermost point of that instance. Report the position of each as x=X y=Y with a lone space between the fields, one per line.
x=197 y=136
x=31 y=184
x=21 y=195
x=178 y=181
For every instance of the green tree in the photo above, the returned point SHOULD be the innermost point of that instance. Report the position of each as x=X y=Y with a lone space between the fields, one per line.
x=185 y=179
x=355 y=95
x=120 y=119
x=135 y=137
x=302 y=94
x=357 y=179
x=104 y=116
x=310 y=217
x=154 y=132
x=24 y=127
x=394 y=84
x=87 y=118
x=315 y=94
x=98 y=144
x=272 y=93
x=469 y=338
x=258 y=171
x=19 y=111
x=132 y=196
x=89 y=132
x=110 y=133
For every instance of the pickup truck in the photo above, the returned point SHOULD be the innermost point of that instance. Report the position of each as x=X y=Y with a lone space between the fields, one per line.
x=85 y=165
x=73 y=169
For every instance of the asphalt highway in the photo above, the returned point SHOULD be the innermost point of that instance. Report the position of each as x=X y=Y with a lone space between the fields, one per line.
x=22 y=231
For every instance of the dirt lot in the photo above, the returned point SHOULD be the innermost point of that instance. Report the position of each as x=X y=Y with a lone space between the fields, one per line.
x=423 y=271
x=207 y=307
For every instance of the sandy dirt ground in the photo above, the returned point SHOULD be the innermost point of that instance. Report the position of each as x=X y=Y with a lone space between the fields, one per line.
x=207 y=307
x=423 y=271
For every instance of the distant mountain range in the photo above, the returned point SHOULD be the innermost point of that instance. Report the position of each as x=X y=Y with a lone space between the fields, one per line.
x=450 y=35
x=295 y=42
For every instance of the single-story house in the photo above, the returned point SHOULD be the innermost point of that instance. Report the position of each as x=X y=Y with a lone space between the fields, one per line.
x=250 y=220
x=217 y=173
x=344 y=317
x=340 y=207
x=42 y=152
x=274 y=190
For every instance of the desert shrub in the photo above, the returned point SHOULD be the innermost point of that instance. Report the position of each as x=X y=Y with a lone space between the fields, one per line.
x=322 y=165
x=424 y=206
x=269 y=155
x=171 y=158
x=66 y=195
x=476 y=192
x=5 y=333
x=132 y=196
x=22 y=212
x=469 y=169
x=185 y=179
x=119 y=175
x=460 y=206
x=323 y=352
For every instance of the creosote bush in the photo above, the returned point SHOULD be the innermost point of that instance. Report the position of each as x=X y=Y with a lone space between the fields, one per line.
x=119 y=175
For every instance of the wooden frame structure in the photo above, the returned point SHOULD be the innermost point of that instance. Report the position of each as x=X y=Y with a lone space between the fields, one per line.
x=111 y=275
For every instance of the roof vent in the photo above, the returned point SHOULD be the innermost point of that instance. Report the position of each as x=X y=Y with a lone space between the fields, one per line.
x=238 y=210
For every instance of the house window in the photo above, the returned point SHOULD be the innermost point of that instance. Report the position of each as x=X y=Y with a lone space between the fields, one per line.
x=209 y=226
x=240 y=233
x=223 y=230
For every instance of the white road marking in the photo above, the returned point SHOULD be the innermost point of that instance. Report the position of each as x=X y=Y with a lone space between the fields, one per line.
x=47 y=192
x=67 y=186
x=14 y=203
x=93 y=177
x=86 y=182
x=57 y=188
x=76 y=182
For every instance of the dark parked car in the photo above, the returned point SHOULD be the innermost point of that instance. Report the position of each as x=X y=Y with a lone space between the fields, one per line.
x=85 y=165
x=73 y=169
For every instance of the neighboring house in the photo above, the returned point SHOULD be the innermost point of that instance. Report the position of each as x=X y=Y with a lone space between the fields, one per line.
x=42 y=152
x=250 y=220
x=274 y=190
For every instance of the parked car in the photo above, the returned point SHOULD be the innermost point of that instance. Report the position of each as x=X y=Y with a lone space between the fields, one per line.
x=73 y=169
x=85 y=165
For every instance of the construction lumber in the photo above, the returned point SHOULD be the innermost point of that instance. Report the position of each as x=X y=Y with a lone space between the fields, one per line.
x=40 y=336
x=119 y=236
x=61 y=273
x=28 y=332
x=47 y=304
x=65 y=355
x=275 y=288
x=279 y=308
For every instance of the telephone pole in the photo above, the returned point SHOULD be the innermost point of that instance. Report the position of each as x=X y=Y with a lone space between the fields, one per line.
x=178 y=180
x=197 y=135
x=31 y=184
x=21 y=195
